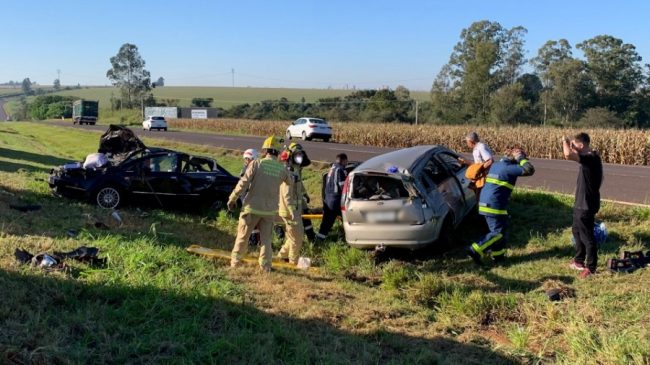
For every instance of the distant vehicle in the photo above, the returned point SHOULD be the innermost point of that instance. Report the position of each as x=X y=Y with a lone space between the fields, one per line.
x=310 y=128
x=136 y=174
x=85 y=111
x=156 y=123
x=408 y=198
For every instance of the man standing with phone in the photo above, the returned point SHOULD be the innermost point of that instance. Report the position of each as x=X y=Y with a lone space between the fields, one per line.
x=587 y=201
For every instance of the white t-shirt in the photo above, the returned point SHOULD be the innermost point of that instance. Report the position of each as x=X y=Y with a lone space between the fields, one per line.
x=481 y=153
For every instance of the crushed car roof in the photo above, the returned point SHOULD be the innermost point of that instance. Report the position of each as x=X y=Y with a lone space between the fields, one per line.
x=118 y=140
x=404 y=159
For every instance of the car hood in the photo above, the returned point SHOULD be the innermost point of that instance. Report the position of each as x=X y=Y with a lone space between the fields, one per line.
x=119 y=140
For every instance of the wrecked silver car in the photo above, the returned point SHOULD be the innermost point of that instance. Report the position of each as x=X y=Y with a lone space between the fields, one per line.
x=408 y=198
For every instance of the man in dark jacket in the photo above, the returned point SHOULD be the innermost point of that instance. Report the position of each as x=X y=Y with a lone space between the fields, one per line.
x=493 y=204
x=587 y=201
x=333 y=193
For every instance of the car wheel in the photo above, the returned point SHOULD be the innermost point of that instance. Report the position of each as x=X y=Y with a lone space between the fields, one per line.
x=165 y=129
x=326 y=140
x=304 y=136
x=288 y=135
x=108 y=197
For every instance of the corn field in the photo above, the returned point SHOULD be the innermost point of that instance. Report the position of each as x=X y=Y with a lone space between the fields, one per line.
x=630 y=147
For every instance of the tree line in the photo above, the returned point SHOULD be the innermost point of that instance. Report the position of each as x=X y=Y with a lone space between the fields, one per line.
x=484 y=81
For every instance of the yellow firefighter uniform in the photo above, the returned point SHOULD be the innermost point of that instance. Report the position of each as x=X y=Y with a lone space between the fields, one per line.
x=294 y=229
x=261 y=181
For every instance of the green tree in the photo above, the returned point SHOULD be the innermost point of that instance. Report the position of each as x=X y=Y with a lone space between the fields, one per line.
x=202 y=102
x=616 y=70
x=509 y=106
x=57 y=84
x=573 y=89
x=27 y=86
x=550 y=53
x=128 y=73
x=487 y=57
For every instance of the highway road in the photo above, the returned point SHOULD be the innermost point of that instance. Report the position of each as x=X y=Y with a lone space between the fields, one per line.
x=622 y=183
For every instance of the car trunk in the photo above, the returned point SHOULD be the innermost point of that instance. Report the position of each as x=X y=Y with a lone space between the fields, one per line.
x=379 y=198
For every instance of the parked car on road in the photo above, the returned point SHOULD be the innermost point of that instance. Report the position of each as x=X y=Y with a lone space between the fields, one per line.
x=154 y=122
x=408 y=198
x=135 y=173
x=310 y=128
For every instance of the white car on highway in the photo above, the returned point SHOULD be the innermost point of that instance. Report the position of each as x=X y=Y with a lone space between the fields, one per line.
x=309 y=128
x=152 y=122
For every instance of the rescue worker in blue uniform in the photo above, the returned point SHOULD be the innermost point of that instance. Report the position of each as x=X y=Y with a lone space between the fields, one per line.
x=333 y=193
x=493 y=204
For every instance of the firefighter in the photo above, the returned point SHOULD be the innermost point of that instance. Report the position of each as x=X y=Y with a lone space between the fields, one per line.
x=493 y=204
x=261 y=186
x=295 y=159
x=249 y=156
x=333 y=192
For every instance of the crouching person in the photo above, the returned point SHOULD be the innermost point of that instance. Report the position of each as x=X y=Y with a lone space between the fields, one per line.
x=493 y=204
x=261 y=186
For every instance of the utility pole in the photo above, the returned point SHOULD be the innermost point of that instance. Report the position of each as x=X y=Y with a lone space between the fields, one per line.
x=58 y=75
x=232 y=70
x=416 y=112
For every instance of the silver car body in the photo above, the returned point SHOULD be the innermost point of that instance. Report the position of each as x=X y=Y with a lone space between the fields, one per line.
x=406 y=198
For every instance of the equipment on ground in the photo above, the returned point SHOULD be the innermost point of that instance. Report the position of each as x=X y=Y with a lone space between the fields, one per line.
x=249 y=259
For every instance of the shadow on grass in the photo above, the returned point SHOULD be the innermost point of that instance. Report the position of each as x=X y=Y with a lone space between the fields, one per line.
x=58 y=215
x=51 y=320
x=32 y=157
x=6 y=166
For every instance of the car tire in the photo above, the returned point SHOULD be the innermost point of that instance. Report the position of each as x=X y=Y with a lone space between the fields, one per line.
x=304 y=136
x=288 y=136
x=108 y=197
x=165 y=129
x=326 y=140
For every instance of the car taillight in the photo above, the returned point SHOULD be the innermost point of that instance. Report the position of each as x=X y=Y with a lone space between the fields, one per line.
x=311 y=125
x=344 y=192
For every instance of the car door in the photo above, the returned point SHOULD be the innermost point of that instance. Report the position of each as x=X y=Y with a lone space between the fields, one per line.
x=446 y=184
x=197 y=180
x=157 y=179
x=457 y=169
x=293 y=128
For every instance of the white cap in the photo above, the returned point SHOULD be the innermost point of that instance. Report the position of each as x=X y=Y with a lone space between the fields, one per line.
x=250 y=154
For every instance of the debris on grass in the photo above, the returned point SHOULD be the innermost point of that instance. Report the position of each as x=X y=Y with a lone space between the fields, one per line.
x=557 y=290
x=25 y=207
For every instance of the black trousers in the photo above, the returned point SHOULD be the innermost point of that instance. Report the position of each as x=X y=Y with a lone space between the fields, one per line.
x=583 y=232
x=331 y=210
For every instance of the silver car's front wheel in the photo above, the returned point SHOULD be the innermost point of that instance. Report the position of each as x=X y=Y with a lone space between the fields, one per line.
x=108 y=197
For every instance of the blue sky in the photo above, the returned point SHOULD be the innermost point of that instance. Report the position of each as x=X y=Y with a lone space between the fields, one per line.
x=311 y=44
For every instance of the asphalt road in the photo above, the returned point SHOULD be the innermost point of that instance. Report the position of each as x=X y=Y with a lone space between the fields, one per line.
x=622 y=183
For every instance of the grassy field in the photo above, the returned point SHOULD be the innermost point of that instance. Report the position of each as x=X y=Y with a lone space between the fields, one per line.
x=153 y=303
x=224 y=97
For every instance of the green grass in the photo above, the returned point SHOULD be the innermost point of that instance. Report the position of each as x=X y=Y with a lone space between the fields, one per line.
x=153 y=303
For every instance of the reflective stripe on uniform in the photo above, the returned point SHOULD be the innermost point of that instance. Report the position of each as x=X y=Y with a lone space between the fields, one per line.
x=250 y=210
x=494 y=181
x=485 y=209
x=498 y=253
x=522 y=162
x=485 y=245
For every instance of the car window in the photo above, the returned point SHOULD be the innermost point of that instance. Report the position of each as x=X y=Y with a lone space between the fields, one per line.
x=161 y=163
x=435 y=172
x=450 y=161
x=318 y=121
x=196 y=165
x=158 y=118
